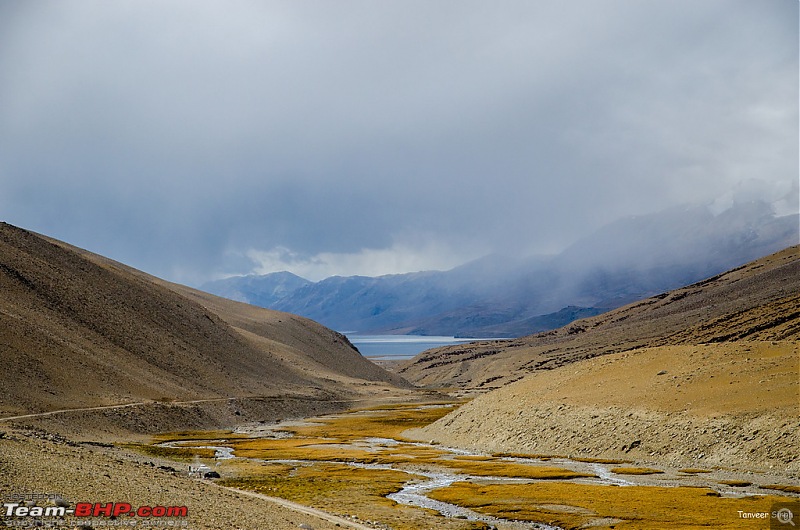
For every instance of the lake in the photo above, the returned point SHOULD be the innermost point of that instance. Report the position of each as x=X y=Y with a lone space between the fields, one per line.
x=399 y=347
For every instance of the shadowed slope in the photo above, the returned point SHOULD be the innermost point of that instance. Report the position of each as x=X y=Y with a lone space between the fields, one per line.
x=332 y=351
x=79 y=330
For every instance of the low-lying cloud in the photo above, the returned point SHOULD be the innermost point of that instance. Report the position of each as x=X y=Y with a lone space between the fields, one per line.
x=197 y=139
x=398 y=258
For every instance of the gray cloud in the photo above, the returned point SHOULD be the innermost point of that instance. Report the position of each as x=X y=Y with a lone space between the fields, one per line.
x=181 y=137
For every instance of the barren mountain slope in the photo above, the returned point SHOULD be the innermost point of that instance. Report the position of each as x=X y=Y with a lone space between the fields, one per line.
x=79 y=330
x=758 y=301
x=300 y=337
x=732 y=404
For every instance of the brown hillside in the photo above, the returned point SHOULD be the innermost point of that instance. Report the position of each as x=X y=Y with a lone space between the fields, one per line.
x=306 y=344
x=759 y=301
x=78 y=330
x=730 y=404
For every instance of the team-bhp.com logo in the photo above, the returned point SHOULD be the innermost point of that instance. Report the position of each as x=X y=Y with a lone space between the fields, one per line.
x=94 y=509
x=111 y=510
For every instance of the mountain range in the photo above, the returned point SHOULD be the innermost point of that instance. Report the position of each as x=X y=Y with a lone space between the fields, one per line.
x=511 y=296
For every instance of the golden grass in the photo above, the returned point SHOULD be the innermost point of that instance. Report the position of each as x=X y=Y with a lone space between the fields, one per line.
x=513 y=470
x=735 y=483
x=382 y=422
x=182 y=454
x=324 y=483
x=346 y=490
x=296 y=449
x=572 y=506
x=178 y=436
x=694 y=471
x=451 y=404
x=200 y=443
x=324 y=440
x=635 y=471
x=409 y=454
x=531 y=456
x=331 y=451
x=252 y=468
x=781 y=487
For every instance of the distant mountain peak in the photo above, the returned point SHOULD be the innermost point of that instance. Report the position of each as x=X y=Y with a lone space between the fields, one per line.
x=263 y=290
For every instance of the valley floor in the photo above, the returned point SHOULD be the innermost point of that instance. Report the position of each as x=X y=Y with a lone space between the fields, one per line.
x=359 y=470
x=39 y=465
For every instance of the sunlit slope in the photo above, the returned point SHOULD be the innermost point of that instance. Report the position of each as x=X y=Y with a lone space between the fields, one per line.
x=732 y=404
x=759 y=301
x=79 y=330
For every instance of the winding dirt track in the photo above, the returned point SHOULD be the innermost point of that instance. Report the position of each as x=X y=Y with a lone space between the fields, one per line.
x=303 y=509
x=137 y=404
x=61 y=411
x=299 y=508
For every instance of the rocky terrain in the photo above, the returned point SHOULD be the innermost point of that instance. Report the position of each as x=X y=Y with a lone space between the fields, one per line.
x=33 y=461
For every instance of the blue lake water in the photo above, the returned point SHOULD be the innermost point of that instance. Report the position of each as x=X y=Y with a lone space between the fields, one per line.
x=399 y=347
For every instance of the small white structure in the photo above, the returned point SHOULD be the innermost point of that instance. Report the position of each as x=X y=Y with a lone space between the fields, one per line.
x=198 y=471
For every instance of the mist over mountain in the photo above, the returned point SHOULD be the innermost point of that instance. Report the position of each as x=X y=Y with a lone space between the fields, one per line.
x=630 y=259
x=260 y=290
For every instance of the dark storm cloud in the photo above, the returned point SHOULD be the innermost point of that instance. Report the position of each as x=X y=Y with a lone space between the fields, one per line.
x=191 y=138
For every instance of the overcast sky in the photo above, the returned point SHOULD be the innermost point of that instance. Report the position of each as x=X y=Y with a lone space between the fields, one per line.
x=193 y=139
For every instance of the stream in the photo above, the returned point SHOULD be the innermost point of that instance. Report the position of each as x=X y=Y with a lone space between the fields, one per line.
x=426 y=477
x=413 y=492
